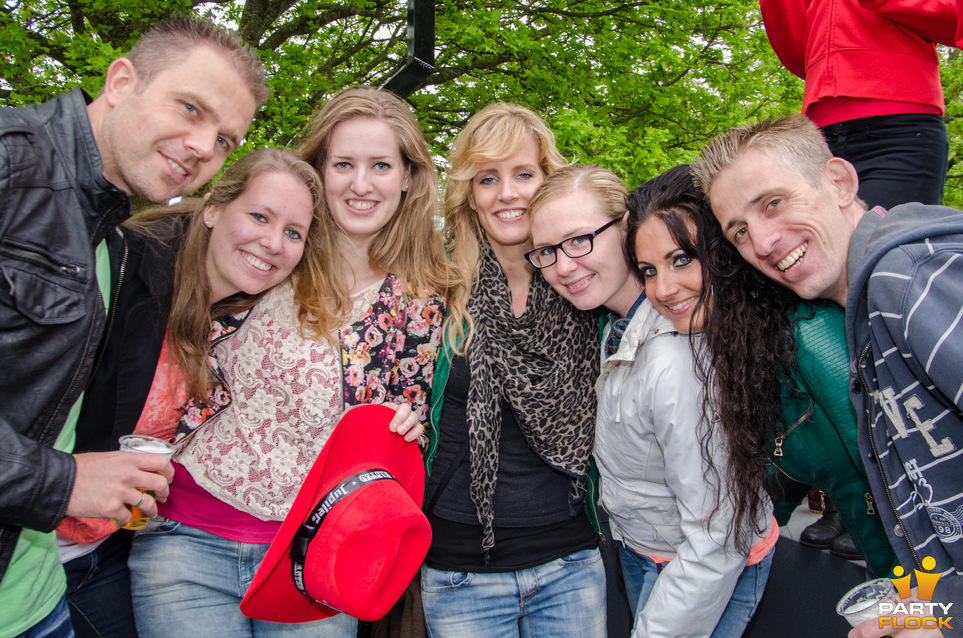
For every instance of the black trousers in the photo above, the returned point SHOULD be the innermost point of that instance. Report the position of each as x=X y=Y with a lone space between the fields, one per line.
x=899 y=158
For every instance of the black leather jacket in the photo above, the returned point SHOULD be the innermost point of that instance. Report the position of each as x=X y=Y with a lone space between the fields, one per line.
x=55 y=207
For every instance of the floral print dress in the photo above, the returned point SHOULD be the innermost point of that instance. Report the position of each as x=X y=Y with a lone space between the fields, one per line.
x=389 y=353
x=285 y=393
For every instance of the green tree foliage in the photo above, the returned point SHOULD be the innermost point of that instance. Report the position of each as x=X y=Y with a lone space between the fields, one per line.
x=634 y=85
x=952 y=73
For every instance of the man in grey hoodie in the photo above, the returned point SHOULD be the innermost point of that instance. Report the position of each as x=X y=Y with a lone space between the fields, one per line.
x=792 y=211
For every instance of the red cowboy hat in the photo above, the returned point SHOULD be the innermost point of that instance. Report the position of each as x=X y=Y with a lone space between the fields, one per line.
x=355 y=536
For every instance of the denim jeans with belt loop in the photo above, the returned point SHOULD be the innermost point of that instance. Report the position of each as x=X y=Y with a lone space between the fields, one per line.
x=563 y=598
x=188 y=582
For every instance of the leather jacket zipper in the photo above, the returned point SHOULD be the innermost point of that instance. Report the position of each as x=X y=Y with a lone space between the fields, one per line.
x=857 y=539
x=55 y=415
x=778 y=452
x=779 y=440
x=110 y=315
x=70 y=270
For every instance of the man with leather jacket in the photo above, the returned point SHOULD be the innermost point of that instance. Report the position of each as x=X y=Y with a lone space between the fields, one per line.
x=169 y=114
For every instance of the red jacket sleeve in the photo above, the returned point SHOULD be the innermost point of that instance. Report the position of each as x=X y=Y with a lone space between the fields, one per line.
x=959 y=24
x=785 y=22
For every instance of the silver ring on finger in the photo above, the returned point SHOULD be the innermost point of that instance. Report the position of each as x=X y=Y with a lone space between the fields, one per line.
x=141 y=501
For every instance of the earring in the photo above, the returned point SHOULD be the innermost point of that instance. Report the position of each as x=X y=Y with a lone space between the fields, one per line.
x=405 y=188
x=208 y=223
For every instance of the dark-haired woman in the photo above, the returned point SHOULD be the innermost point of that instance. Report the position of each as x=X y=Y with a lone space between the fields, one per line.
x=691 y=567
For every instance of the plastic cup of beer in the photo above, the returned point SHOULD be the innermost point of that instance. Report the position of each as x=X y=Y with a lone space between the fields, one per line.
x=144 y=445
x=861 y=603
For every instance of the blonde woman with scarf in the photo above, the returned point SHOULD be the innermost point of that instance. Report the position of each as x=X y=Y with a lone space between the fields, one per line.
x=512 y=419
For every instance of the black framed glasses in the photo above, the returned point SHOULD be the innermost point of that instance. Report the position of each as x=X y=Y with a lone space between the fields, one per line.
x=578 y=246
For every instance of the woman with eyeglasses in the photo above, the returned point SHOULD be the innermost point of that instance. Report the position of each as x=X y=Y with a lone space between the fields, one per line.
x=690 y=568
x=513 y=552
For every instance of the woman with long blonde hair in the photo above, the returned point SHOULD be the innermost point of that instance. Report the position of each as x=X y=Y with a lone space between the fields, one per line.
x=381 y=225
x=513 y=552
x=185 y=269
x=363 y=328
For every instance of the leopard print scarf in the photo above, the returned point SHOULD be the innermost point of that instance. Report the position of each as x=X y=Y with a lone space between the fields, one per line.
x=545 y=364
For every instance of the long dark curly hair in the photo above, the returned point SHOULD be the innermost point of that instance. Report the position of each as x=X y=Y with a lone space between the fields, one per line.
x=673 y=199
x=747 y=352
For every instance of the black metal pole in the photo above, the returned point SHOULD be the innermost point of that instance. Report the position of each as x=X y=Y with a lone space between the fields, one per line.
x=420 y=62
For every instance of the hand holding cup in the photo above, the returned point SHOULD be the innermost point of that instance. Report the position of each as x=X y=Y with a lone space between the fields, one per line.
x=108 y=484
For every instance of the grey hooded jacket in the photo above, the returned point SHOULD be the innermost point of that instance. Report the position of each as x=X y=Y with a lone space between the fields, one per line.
x=903 y=323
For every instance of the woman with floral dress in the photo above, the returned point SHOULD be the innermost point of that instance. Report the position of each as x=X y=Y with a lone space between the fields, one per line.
x=367 y=331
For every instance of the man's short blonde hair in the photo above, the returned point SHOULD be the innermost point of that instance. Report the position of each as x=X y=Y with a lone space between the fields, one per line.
x=794 y=139
x=171 y=40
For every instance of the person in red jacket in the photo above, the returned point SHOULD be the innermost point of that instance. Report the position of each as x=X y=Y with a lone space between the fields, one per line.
x=872 y=86
x=959 y=24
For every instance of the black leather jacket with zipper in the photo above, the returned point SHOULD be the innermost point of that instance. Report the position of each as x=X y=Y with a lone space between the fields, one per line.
x=56 y=206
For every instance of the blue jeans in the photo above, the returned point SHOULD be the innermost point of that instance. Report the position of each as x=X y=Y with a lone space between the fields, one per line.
x=187 y=582
x=899 y=158
x=564 y=598
x=56 y=624
x=98 y=590
x=640 y=573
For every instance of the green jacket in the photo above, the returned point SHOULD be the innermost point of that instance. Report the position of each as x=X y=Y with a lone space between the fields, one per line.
x=818 y=444
x=442 y=367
